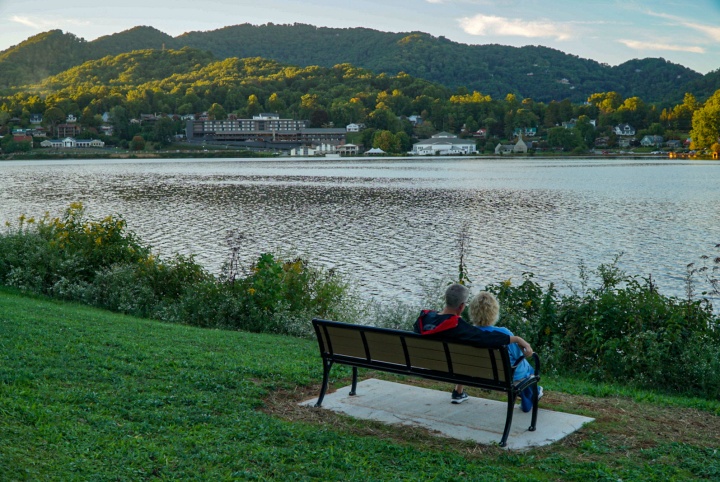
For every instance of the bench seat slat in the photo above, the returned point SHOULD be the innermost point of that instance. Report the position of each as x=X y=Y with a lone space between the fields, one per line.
x=385 y=348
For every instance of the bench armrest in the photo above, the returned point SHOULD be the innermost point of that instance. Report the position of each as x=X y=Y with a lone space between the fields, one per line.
x=535 y=362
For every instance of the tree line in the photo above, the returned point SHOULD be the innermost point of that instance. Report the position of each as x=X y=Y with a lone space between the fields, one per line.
x=189 y=81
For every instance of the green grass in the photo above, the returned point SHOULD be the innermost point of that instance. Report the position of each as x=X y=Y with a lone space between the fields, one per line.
x=91 y=395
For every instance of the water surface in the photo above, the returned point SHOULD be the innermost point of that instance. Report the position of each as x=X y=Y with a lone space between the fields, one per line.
x=393 y=225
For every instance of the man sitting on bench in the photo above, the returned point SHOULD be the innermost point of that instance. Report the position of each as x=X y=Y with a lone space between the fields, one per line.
x=448 y=324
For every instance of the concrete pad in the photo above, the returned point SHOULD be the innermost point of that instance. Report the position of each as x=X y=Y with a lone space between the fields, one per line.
x=476 y=419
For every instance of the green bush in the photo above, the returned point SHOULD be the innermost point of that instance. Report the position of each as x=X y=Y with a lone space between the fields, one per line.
x=102 y=264
x=624 y=330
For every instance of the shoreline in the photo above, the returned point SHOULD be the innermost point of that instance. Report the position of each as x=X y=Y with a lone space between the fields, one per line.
x=221 y=154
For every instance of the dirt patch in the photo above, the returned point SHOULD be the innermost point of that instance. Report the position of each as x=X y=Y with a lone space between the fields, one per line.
x=620 y=422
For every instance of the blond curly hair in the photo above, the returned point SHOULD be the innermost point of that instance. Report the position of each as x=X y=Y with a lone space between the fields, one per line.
x=484 y=309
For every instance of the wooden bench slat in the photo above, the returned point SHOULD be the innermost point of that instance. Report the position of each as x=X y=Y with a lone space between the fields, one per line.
x=387 y=348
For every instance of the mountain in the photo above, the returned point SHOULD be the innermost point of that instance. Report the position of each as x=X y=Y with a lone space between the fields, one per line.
x=138 y=38
x=40 y=56
x=541 y=73
x=53 y=52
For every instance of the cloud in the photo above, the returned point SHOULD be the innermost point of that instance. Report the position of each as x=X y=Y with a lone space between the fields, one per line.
x=711 y=31
x=492 y=25
x=28 y=22
x=639 y=45
x=44 y=24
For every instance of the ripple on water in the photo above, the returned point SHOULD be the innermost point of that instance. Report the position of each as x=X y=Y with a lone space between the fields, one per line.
x=391 y=227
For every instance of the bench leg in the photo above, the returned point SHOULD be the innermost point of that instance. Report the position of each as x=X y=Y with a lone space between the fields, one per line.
x=354 y=382
x=327 y=365
x=508 y=419
x=535 y=409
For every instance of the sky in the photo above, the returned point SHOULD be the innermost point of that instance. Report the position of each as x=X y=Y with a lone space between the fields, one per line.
x=612 y=32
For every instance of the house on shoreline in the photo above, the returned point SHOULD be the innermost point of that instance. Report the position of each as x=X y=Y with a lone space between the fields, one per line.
x=518 y=148
x=444 y=144
x=71 y=143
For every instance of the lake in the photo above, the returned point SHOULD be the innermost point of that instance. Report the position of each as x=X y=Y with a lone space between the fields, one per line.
x=392 y=226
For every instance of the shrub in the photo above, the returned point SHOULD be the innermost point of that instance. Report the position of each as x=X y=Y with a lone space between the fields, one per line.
x=622 y=330
x=38 y=254
x=102 y=264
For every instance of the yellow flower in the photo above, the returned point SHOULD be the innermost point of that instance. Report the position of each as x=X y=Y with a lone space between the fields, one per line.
x=528 y=304
x=251 y=291
x=507 y=283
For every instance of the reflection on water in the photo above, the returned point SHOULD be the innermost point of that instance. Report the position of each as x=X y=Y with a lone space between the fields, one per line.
x=389 y=225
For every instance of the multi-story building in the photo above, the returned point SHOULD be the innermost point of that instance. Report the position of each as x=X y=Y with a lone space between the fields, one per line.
x=67 y=130
x=264 y=127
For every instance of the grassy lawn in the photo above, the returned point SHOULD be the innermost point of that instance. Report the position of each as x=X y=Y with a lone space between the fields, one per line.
x=91 y=395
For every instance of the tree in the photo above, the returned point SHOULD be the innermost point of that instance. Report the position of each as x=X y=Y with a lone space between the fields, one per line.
x=682 y=114
x=217 y=112
x=568 y=139
x=586 y=130
x=384 y=119
x=404 y=141
x=386 y=141
x=253 y=106
x=607 y=102
x=275 y=103
x=137 y=143
x=89 y=119
x=52 y=117
x=163 y=131
x=120 y=121
x=706 y=123
x=319 y=118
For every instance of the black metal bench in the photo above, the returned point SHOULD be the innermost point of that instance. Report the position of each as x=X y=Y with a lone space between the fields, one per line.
x=407 y=353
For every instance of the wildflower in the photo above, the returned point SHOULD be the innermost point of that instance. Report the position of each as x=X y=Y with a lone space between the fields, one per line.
x=251 y=291
x=507 y=283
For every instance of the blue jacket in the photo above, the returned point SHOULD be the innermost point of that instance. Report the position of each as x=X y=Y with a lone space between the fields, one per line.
x=524 y=369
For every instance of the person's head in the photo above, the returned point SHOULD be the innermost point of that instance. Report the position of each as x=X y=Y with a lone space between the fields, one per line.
x=484 y=309
x=456 y=295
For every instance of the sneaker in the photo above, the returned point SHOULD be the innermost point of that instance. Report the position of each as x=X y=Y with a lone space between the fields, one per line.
x=540 y=392
x=458 y=397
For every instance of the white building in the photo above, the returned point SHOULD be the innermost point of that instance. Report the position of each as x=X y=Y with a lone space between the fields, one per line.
x=624 y=130
x=70 y=142
x=352 y=127
x=444 y=144
x=348 y=150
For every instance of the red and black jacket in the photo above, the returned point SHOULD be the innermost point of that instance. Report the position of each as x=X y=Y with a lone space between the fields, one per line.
x=453 y=327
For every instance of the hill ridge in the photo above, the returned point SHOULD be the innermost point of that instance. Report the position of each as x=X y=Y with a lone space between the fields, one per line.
x=534 y=71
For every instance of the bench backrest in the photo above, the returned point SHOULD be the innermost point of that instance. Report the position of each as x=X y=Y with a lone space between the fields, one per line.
x=407 y=352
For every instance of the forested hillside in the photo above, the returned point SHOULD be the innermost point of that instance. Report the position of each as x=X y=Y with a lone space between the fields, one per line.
x=540 y=73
